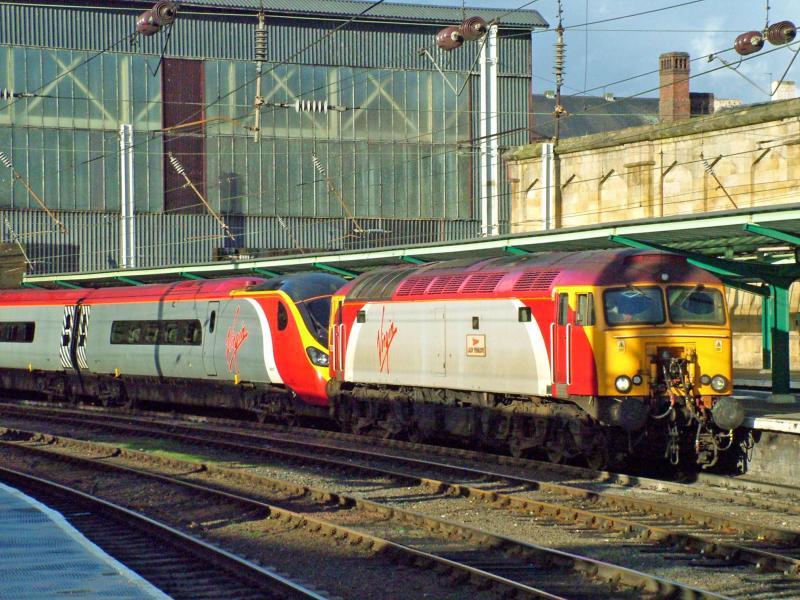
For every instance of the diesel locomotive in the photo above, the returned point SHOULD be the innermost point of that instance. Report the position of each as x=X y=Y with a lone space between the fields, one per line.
x=585 y=356
x=588 y=355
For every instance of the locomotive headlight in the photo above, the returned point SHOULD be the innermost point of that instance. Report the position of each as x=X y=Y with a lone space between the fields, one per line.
x=317 y=356
x=637 y=379
x=718 y=383
x=705 y=379
x=623 y=384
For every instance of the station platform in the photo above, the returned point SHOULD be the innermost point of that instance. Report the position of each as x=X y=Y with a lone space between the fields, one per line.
x=43 y=556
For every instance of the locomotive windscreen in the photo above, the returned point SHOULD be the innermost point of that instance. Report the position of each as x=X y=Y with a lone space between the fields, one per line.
x=312 y=293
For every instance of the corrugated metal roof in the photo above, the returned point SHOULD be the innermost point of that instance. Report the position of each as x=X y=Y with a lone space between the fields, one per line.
x=405 y=12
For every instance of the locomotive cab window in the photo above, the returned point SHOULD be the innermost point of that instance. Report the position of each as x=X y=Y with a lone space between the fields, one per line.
x=283 y=317
x=17 y=332
x=634 y=305
x=695 y=305
x=563 y=308
x=584 y=315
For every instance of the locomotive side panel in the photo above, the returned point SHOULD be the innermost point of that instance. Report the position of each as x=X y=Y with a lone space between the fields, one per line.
x=454 y=344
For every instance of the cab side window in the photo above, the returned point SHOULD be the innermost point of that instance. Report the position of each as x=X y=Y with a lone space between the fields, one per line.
x=563 y=308
x=283 y=317
x=584 y=315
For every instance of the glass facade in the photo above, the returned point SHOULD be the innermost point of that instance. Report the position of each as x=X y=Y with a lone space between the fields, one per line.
x=392 y=152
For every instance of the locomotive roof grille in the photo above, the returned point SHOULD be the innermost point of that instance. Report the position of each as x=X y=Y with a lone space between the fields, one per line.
x=415 y=285
x=535 y=281
x=481 y=283
x=446 y=284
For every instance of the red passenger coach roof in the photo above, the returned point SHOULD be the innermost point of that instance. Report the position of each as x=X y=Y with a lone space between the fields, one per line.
x=182 y=290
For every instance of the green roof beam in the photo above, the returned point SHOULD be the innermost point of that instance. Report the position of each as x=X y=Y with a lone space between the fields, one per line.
x=337 y=270
x=759 y=290
x=187 y=275
x=31 y=285
x=769 y=232
x=129 y=280
x=67 y=284
x=413 y=260
x=513 y=250
x=265 y=272
x=718 y=266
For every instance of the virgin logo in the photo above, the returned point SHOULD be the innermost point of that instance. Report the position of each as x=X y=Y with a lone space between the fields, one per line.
x=233 y=341
x=385 y=339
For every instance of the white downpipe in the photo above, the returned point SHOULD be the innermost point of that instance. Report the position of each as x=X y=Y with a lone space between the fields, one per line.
x=127 y=241
x=489 y=127
x=548 y=179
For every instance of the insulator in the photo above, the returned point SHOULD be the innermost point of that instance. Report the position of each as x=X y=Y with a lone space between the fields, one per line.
x=320 y=106
x=781 y=33
x=148 y=23
x=7 y=94
x=748 y=43
x=558 y=64
x=472 y=28
x=165 y=11
x=318 y=164
x=261 y=41
x=449 y=38
x=176 y=164
x=5 y=160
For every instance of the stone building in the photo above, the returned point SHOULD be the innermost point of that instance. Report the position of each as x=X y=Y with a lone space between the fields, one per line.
x=737 y=158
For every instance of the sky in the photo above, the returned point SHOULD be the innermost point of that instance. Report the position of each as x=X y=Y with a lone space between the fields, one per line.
x=627 y=47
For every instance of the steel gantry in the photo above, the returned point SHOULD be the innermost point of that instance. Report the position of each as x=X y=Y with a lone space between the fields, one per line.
x=752 y=249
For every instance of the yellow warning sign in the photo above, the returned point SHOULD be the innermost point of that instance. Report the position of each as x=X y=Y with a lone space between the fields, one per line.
x=476 y=345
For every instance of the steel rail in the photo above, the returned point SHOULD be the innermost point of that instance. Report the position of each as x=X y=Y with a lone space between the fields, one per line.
x=763 y=559
x=774 y=492
x=254 y=574
x=589 y=568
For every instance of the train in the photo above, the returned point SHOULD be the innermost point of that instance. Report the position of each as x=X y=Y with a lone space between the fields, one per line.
x=591 y=357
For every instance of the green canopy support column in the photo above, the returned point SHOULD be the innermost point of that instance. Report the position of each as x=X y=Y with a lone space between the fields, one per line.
x=766 y=331
x=779 y=334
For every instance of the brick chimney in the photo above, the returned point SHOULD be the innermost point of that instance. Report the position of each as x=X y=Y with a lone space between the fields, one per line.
x=673 y=103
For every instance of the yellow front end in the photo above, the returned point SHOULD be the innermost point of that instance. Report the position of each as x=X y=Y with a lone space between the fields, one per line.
x=631 y=357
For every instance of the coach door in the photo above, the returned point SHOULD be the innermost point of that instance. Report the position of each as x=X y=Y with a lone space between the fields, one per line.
x=210 y=337
x=560 y=347
x=74 y=335
x=338 y=338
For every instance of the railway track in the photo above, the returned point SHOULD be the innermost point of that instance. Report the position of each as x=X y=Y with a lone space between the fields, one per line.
x=719 y=541
x=466 y=555
x=180 y=565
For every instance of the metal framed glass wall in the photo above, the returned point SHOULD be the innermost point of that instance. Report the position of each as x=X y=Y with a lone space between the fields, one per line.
x=393 y=152
x=64 y=140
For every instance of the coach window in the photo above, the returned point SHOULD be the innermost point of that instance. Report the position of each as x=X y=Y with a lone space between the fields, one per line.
x=20 y=333
x=283 y=317
x=212 y=321
x=563 y=308
x=584 y=316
